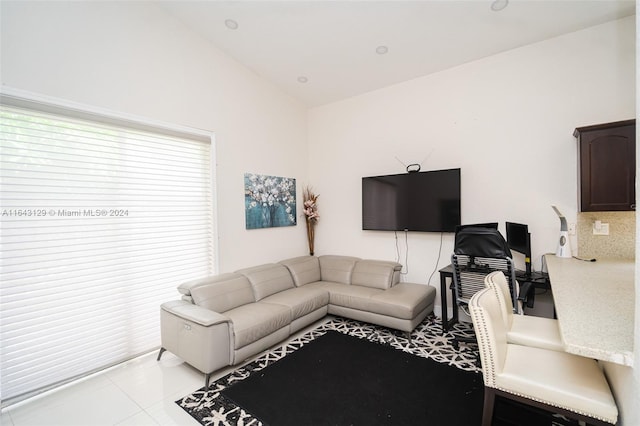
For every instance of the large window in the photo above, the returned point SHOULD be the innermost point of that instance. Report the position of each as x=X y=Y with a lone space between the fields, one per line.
x=99 y=223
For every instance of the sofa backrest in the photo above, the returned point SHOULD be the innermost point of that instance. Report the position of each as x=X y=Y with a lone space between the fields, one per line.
x=223 y=292
x=220 y=293
x=337 y=268
x=303 y=269
x=381 y=274
x=268 y=279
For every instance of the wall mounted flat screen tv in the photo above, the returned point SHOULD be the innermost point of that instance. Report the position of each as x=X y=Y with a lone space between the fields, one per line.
x=417 y=201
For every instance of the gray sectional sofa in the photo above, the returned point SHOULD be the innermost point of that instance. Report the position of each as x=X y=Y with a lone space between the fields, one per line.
x=225 y=319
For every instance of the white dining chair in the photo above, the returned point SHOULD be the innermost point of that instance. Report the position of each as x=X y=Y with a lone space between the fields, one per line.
x=558 y=382
x=524 y=330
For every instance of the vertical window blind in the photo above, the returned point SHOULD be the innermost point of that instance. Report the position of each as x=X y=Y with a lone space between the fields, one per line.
x=98 y=225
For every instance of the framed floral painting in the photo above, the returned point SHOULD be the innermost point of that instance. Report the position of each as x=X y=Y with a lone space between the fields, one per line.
x=269 y=201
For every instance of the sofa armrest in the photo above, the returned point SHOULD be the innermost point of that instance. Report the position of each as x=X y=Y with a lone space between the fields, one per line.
x=194 y=313
x=199 y=336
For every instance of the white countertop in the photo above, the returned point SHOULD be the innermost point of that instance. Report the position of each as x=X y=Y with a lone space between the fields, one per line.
x=595 y=306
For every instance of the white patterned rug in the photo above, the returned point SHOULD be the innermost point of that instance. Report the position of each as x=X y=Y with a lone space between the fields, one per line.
x=211 y=408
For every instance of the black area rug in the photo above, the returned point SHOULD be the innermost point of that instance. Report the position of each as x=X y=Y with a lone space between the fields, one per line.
x=210 y=407
x=339 y=379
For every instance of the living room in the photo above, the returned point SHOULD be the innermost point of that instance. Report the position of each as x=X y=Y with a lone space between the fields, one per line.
x=506 y=120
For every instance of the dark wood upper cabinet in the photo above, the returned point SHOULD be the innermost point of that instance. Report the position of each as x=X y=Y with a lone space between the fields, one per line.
x=607 y=166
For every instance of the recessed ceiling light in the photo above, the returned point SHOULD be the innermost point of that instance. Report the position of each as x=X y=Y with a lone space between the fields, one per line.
x=302 y=79
x=381 y=50
x=498 y=5
x=231 y=24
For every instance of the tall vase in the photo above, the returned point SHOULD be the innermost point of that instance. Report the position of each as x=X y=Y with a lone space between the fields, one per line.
x=310 y=235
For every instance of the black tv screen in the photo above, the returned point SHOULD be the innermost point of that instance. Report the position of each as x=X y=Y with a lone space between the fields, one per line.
x=518 y=238
x=418 y=201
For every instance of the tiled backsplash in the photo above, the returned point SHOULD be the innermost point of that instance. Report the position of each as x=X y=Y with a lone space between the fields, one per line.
x=619 y=244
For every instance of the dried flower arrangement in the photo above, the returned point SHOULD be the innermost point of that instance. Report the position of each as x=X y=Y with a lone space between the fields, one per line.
x=311 y=213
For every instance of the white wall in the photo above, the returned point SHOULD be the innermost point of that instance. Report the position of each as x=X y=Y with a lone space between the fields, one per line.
x=131 y=57
x=506 y=121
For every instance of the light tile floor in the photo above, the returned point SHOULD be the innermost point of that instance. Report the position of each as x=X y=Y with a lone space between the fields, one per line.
x=139 y=392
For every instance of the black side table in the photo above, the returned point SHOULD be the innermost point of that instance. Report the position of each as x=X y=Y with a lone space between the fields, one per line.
x=447 y=272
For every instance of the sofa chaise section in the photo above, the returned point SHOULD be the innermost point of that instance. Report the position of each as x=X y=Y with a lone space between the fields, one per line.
x=366 y=290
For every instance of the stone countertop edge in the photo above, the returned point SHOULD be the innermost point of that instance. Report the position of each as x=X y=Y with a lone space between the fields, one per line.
x=595 y=306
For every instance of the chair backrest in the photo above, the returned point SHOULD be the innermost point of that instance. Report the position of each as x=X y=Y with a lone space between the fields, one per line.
x=497 y=282
x=477 y=252
x=491 y=334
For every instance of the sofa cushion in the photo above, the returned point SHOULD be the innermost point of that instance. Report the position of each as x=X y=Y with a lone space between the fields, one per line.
x=267 y=279
x=404 y=300
x=301 y=300
x=303 y=269
x=376 y=273
x=337 y=268
x=352 y=296
x=254 y=321
x=222 y=292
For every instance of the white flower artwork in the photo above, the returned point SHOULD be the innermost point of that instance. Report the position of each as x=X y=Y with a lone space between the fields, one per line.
x=270 y=201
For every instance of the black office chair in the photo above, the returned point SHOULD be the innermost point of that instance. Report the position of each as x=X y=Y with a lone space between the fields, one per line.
x=478 y=251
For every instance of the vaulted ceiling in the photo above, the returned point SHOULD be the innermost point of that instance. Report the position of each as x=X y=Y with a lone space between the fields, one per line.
x=324 y=51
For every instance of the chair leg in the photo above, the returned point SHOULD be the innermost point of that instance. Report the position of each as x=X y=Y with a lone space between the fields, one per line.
x=487 y=409
x=207 y=378
x=160 y=353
